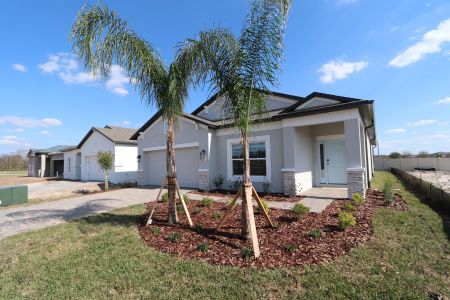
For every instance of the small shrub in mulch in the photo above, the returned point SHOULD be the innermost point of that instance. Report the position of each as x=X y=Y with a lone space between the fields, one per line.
x=290 y=248
x=207 y=201
x=202 y=247
x=348 y=206
x=300 y=210
x=226 y=247
x=165 y=197
x=315 y=233
x=265 y=205
x=346 y=220
x=357 y=199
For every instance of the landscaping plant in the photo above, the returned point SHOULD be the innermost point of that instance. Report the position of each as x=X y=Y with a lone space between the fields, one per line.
x=165 y=197
x=216 y=215
x=202 y=247
x=207 y=201
x=156 y=230
x=300 y=210
x=105 y=161
x=348 y=206
x=242 y=70
x=346 y=219
x=315 y=233
x=388 y=191
x=290 y=248
x=174 y=236
x=357 y=199
x=218 y=181
x=101 y=40
x=246 y=253
x=267 y=187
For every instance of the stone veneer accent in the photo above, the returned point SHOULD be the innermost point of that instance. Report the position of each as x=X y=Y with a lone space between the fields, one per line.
x=356 y=181
x=203 y=180
x=288 y=180
x=140 y=177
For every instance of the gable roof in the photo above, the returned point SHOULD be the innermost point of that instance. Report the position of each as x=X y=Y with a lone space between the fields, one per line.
x=117 y=135
x=54 y=149
x=295 y=110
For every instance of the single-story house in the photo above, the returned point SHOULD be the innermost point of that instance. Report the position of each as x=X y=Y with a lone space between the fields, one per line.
x=46 y=162
x=303 y=142
x=80 y=162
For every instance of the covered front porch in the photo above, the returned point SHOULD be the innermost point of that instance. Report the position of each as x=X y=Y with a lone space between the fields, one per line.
x=326 y=155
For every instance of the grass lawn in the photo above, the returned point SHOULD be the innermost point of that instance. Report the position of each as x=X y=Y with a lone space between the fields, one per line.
x=102 y=257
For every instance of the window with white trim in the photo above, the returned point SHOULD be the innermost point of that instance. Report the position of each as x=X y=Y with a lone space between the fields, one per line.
x=259 y=155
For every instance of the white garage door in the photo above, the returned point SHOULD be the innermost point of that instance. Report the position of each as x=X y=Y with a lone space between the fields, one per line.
x=93 y=171
x=186 y=163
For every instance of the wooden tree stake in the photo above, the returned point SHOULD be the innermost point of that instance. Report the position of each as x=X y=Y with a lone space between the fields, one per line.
x=248 y=190
x=258 y=200
x=186 y=211
x=230 y=208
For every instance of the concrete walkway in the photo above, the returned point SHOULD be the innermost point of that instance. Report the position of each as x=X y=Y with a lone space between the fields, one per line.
x=20 y=219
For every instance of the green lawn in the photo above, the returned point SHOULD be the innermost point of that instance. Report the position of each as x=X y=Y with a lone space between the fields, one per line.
x=103 y=257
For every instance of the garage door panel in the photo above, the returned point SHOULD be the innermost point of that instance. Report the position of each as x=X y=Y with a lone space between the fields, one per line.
x=186 y=160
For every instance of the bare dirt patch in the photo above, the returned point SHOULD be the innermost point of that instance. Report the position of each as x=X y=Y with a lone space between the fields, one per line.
x=17 y=180
x=291 y=243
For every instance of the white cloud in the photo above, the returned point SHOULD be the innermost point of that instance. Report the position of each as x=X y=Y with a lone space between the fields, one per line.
x=9 y=140
x=422 y=122
x=44 y=132
x=443 y=101
x=20 y=68
x=339 y=69
x=431 y=42
x=29 y=122
x=67 y=68
x=395 y=28
x=395 y=130
x=126 y=123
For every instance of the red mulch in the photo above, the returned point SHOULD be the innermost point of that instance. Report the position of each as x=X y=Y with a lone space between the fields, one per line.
x=270 y=197
x=225 y=247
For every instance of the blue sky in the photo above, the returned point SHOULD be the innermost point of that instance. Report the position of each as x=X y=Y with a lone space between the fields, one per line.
x=395 y=52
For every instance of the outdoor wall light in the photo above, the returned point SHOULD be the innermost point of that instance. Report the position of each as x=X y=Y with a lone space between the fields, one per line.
x=203 y=154
x=139 y=158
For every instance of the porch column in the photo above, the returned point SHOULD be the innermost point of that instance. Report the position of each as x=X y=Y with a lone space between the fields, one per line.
x=356 y=181
x=43 y=163
x=289 y=181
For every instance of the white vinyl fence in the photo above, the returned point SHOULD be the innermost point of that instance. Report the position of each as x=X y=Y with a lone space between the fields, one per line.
x=409 y=164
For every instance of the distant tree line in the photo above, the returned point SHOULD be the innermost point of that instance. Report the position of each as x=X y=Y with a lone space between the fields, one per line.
x=13 y=162
x=420 y=154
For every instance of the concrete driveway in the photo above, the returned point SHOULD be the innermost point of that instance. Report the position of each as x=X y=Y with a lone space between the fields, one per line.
x=20 y=219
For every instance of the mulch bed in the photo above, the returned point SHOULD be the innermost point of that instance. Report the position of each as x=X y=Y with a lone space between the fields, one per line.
x=226 y=247
x=230 y=194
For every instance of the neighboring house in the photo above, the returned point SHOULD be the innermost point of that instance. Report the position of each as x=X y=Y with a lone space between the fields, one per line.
x=318 y=140
x=46 y=162
x=81 y=162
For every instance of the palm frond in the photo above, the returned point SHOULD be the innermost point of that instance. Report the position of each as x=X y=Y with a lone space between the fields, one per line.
x=100 y=38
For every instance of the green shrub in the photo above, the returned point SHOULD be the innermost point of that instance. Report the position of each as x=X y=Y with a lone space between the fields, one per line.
x=348 y=206
x=202 y=247
x=388 y=191
x=228 y=203
x=156 y=230
x=290 y=248
x=207 y=201
x=198 y=228
x=315 y=233
x=357 y=199
x=217 y=215
x=235 y=184
x=196 y=210
x=186 y=198
x=246 y=253
x=346 y=219
x=299 y=210
x=180 y=208
x=218 y=181
x=174 y=236
x=267 y=187
x=265 y=205
x=165 y=197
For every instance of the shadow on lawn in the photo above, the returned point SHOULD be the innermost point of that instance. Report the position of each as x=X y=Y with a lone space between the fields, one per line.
x=445 y=215
x=112 y=219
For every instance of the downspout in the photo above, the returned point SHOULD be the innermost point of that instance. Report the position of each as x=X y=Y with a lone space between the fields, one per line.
x=367 y=154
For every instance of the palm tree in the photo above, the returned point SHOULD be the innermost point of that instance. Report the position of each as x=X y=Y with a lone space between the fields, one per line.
x=100 y=38
x=105 y=161
x=242 y=69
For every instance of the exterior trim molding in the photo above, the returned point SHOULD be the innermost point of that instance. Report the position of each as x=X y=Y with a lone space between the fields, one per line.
x=287 y=170
x=186 y=145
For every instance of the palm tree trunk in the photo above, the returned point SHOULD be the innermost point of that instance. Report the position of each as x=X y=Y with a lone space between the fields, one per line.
x=172 y=216
x=246 y=190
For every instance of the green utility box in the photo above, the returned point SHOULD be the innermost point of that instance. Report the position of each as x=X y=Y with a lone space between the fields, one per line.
x=10 y=195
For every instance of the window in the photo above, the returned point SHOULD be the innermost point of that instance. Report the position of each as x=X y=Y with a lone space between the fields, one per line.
x=259 y=154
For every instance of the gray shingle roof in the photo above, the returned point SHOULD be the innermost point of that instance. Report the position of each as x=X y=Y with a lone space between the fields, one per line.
x=117 y=135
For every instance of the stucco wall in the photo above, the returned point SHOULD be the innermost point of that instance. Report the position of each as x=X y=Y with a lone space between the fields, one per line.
x=95 y=143
x=125 y=163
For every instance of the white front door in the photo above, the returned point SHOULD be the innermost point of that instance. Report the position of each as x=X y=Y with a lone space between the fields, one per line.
x=332 y=162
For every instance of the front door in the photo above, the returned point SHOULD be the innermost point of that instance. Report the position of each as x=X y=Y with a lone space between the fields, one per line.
x=332 y=162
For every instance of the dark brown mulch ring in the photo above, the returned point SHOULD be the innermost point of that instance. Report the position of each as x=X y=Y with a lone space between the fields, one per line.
x=231 y=194
x=225 y=247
